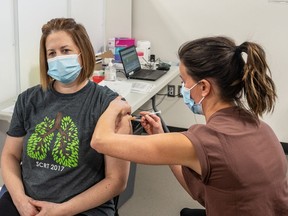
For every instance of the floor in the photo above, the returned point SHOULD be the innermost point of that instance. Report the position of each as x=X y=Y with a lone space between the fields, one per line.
x=156 y=193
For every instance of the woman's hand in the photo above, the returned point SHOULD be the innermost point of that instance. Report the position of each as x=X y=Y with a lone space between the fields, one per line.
x=47 y=208
x=151 y=123
x=24 y=207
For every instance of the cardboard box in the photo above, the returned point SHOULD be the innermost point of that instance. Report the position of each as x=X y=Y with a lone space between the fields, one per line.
x=118 y=43
x=100 y=57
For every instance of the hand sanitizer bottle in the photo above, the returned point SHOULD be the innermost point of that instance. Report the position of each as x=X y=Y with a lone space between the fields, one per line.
x=110 y=71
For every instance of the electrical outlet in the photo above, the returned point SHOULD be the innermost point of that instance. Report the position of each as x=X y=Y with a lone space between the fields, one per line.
x=171 y=91
x=179 y=91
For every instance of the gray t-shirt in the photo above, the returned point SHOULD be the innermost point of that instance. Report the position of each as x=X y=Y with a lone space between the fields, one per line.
x=57 y=160
x=243 y=166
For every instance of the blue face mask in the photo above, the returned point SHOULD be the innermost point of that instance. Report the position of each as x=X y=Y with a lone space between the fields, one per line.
x=64 y=68
x=195 y=108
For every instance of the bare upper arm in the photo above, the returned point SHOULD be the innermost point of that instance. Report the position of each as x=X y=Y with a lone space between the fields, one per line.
x=177 y=149
x=116 y=168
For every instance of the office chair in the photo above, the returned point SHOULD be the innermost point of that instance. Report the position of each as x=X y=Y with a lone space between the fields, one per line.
x=3 y=190
x=192 y=212
x=116 y=199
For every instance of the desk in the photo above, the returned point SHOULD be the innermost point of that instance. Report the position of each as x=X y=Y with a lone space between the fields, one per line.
x=136 y=100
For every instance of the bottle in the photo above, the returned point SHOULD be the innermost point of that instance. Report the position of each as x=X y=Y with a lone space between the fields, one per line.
x=141 y=57
x=98 y=76
x=110 y=71
x=145 y=47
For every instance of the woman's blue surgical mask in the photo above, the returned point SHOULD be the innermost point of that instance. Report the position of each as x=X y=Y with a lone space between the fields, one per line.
x=64 y=68
x=196 y=108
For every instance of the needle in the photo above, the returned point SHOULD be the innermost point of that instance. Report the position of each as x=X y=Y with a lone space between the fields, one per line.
x=137 y=118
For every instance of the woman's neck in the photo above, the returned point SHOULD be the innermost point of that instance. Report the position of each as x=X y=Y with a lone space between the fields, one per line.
x=69 y=88
x=211 y=108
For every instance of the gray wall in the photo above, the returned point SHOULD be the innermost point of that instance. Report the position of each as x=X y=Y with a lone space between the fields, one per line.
x=167 y=24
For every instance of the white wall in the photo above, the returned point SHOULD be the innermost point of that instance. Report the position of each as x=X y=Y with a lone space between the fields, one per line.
x=7 y=51
x=23 y=27
x=34 y=13
x=167 y=24
x=118 y=18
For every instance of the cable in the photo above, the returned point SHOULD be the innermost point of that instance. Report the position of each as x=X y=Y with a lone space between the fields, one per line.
x=156 y=104
x=165 y=128
x=120 y=71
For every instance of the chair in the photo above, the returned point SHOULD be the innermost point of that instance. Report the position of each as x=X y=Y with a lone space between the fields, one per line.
x=2 y=190
x=192 y=212
x=116 y=199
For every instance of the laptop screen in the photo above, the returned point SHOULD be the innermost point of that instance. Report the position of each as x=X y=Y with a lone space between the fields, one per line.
x=130 y=60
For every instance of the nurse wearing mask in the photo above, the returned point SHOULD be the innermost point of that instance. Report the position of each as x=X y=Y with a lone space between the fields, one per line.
x=232 y=165
x=47 y=163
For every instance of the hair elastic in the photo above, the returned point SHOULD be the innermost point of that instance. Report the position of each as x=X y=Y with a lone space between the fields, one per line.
x=238 y=50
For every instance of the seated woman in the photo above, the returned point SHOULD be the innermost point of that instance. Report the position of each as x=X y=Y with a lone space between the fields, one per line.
x=48 y=165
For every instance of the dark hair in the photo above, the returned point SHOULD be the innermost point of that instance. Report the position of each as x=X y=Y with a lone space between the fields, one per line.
x=220 y=60
x=80 y=38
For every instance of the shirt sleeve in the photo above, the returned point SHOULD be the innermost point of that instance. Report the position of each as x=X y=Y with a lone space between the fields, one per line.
x=16 y=128
x=197 y=136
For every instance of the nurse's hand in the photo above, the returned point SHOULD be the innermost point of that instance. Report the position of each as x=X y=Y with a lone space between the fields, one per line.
x=151 y=123
x=120 y=106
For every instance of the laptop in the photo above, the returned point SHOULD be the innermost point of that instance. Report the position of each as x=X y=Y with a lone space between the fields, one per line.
x=132 y=66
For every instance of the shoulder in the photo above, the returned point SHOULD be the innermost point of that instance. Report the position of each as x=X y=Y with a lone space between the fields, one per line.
x=30 y=94
x=101 y=95
x=197 y=132
x=32 y=90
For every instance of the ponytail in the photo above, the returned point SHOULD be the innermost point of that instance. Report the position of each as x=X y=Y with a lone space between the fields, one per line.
x=259 y=88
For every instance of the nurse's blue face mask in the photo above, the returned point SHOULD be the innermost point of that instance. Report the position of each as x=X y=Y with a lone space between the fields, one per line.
x=64 y=68
x=196 y=108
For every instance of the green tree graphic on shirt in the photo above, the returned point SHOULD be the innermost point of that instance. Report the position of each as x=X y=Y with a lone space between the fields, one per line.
x=39 y=142
x=66 y=145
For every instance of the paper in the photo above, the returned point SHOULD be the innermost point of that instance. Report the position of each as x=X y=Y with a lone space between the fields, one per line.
x=141 y=87
x=122 y=88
